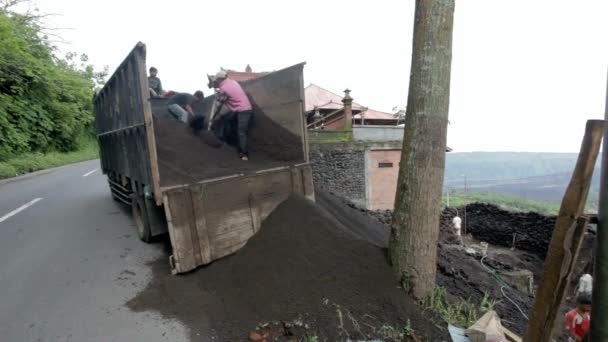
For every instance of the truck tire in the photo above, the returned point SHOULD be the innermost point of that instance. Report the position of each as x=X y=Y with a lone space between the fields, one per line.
x=140 y=215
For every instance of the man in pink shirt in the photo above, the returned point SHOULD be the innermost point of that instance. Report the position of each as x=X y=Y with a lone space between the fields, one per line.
x=232 y=127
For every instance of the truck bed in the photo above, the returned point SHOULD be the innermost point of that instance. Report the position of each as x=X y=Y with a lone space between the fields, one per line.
x=184 y=158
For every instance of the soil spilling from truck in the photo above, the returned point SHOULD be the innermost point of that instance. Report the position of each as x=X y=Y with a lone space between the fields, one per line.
x=302 y=266
x=184 y=157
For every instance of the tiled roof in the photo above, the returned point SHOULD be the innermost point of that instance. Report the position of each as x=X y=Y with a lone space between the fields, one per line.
x=375 y=115
x=324 y=99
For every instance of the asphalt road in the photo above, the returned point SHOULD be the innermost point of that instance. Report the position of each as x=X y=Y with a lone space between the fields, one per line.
x=70 y=261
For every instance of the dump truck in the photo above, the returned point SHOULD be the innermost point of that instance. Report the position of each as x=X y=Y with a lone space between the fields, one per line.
x=208 y=200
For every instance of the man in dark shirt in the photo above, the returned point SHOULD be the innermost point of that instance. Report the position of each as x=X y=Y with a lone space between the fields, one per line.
x=156 y=87
x=180 y=104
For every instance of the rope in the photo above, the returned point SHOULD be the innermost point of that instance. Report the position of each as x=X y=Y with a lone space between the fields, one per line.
x=502 y=287
x=517 y=306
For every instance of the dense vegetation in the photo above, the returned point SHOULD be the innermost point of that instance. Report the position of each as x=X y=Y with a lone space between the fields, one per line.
x=45 y=99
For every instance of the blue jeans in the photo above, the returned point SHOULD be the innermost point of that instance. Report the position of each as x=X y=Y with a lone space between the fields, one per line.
x=180 y=113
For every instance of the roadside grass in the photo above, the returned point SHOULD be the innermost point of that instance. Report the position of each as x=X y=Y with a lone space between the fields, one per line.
x=311 y=338
x=397 y=334
x=30 y=162
x=460 y=312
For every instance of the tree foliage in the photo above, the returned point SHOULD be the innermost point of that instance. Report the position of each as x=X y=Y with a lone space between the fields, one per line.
x=45 y=100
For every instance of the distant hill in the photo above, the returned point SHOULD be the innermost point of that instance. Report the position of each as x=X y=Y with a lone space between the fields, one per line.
x=535 y=176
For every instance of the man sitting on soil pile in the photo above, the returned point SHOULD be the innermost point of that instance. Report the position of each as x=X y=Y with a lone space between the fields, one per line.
x=578 y=319
x=232 y=127
x=156 y=87
x=180 y=104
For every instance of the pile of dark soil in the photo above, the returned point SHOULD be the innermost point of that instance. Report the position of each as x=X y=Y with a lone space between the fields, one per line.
x=186 y=158
x=462 y=275
x=530 y=231
x=303 y=265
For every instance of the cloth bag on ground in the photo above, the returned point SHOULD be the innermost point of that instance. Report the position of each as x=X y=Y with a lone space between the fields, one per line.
x=487 y=329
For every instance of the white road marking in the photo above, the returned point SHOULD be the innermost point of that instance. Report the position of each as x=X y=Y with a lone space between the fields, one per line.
x=21 y=208
x=89 y=173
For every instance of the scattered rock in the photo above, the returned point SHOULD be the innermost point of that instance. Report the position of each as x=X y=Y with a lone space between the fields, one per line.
x=254 y=336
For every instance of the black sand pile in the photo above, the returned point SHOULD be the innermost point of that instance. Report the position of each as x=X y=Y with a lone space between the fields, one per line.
x=531 y=231
x=462 y=275
x=301 y=266
x=184 y=157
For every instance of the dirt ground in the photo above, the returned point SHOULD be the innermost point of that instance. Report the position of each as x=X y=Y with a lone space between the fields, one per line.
x=466 y=277
x=303 y=266
x=324 y=272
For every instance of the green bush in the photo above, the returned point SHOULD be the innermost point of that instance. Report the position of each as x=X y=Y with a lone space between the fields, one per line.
x=7 y=170
x=45 y=100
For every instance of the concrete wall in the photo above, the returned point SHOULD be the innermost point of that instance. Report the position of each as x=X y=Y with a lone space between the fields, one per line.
x=382 y=170
x=377 y=133
x=352 y=170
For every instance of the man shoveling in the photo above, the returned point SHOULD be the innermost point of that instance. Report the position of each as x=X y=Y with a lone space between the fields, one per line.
x=231 y=127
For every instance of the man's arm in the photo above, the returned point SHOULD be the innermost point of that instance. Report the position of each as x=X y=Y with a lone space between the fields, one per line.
x=161 y=92
x=216 y=108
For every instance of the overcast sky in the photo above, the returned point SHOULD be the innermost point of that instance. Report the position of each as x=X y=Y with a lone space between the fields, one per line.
x=526 y=74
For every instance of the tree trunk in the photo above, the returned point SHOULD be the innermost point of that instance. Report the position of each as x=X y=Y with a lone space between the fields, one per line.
x=415 y=227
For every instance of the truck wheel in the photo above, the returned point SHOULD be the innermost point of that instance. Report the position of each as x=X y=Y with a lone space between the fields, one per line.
x=141 y=218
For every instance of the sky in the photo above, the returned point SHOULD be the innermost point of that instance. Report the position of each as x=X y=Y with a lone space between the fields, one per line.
x=526 y=74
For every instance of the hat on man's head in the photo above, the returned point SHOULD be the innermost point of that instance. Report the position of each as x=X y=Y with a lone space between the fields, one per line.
x=221 y=74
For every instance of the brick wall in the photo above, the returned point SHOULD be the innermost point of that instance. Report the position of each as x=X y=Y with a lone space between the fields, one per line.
x=383 y=170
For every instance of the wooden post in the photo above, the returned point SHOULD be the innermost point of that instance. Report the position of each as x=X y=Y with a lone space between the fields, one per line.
x=148 y=121
x=559 y=256
x=599 y=309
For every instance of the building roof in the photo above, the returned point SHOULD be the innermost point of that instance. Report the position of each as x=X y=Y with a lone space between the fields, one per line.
x=371 y=114
x=240 y=76
x=322 y=98
x=246 y=75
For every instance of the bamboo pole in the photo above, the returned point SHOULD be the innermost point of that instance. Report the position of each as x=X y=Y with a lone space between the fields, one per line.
x=550 y=291
x=599 y=309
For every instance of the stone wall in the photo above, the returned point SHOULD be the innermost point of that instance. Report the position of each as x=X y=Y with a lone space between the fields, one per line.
x=340 y=168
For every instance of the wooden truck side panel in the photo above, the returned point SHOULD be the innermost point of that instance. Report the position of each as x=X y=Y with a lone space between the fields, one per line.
x=208 y=221
x=124 y=123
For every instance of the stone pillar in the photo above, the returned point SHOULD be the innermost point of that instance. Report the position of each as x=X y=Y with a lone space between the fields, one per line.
x=348 y=110
x=317 y=118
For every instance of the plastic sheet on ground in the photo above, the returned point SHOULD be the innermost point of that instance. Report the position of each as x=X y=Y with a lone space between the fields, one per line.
x=458 y=334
